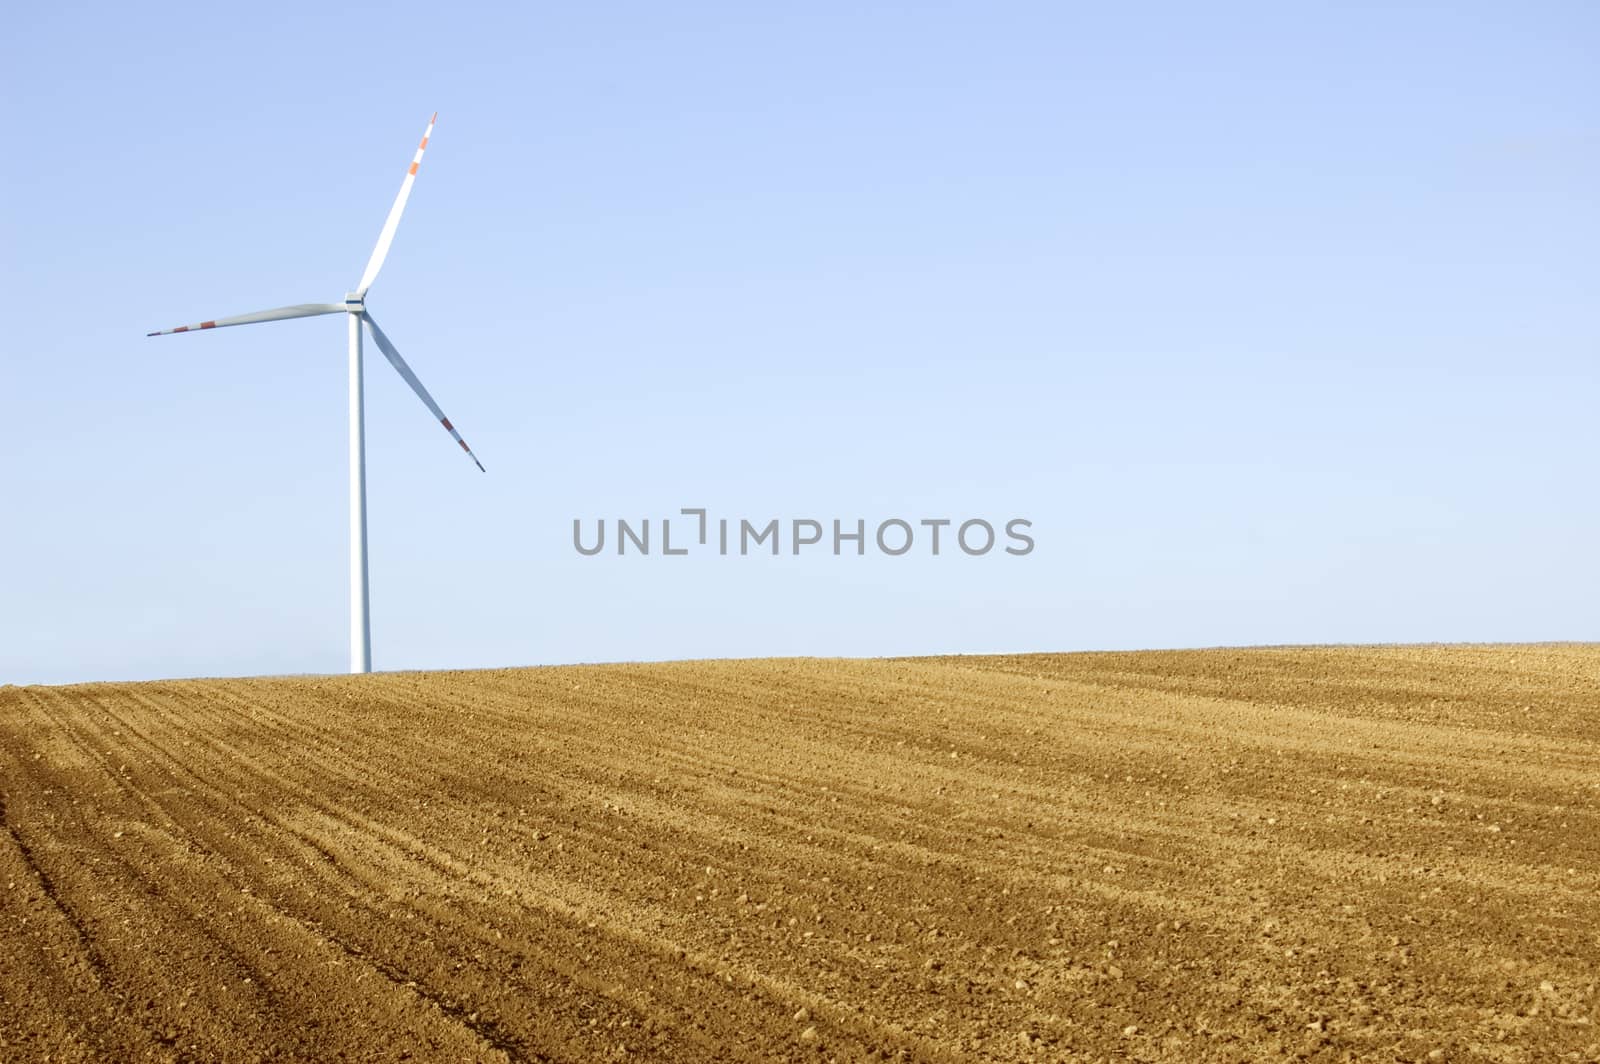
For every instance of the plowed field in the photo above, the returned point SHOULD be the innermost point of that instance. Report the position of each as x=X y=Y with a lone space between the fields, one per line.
x=1330 y=854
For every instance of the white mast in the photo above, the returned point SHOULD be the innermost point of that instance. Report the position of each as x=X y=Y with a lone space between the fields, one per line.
x=360 y=623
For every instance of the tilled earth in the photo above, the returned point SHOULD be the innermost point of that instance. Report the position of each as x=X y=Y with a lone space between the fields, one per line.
x=1327 y=854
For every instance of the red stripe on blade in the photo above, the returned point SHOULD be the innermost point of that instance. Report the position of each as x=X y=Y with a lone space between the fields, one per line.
x=208 y=325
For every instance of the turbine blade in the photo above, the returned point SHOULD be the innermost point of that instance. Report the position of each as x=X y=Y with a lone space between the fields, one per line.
x=404 y=370
x=299 y=310
x=391 y=223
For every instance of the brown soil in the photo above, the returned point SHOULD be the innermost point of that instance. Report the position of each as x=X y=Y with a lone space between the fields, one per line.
x=1330 y=854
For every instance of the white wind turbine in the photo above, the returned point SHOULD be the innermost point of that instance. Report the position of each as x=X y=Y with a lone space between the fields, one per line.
x=354 y=306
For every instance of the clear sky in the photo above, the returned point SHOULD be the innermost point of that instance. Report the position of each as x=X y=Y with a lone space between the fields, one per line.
x=1277 y=320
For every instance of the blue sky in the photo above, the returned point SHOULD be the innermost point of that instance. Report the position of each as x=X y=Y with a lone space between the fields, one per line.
x=1276 y=320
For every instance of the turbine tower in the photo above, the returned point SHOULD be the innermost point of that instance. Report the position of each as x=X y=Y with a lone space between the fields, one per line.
x=354 y=308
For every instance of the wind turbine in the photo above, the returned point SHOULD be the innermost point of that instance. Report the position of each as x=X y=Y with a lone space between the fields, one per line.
x=355 y=308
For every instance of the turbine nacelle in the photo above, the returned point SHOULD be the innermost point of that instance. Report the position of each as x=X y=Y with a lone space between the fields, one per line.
x=354 y=303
